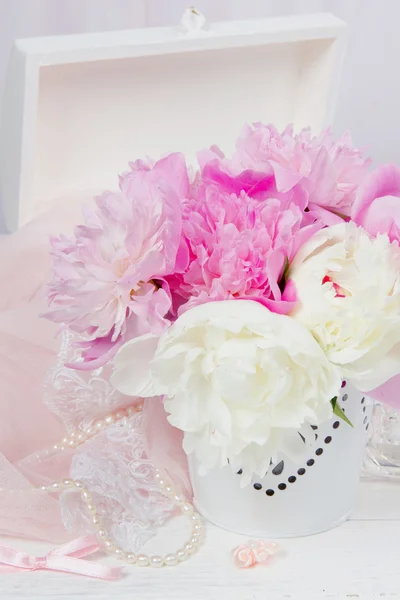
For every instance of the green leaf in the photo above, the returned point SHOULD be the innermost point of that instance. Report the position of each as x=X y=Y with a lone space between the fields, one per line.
x=339 y=412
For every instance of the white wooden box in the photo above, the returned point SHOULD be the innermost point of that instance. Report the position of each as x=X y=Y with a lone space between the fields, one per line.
x=78 y=108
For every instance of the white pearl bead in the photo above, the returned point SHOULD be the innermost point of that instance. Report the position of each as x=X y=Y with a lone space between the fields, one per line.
x=109 y=420
x=156 y=561
x=68 y=483
x=55 y=486
x=181 y=555
x=65 y=440
x=81 y=437
x=99 y=425
x=157 y=475
x=178 y=499
x=86 y=496
x=120 y=414
x=91 y=508
x=73 y=434
x=130 y=411
x=95 y=520
x=187 y=508
x=162 y=483
x=102 y=533
x=90 y=431
x=78 y=484
x=195 y=541
x=55 y=447
x=169 y=490
x=171 y=560
x=118 y=553
x=142 y=560
x=43 y=488
x=72 y=444
x=195 y=517
x=108 y=545
x=198 y=527
x=190 y=549
x=130 y=558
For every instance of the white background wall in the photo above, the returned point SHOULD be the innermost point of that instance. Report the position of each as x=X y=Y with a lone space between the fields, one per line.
x=369 y=100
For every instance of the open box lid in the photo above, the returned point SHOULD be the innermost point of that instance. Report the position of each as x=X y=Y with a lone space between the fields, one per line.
x=78 y=108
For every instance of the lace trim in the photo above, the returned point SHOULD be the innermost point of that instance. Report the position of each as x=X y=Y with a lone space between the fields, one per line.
x=113 y=464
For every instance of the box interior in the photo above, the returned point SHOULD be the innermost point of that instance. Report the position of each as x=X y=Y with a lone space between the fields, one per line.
x=95 y=117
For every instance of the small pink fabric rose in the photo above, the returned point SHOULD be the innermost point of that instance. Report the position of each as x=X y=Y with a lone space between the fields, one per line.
x=253 y=553
x=377 y=204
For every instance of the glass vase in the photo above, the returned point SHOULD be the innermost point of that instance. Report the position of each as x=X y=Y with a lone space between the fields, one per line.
x=382 y=455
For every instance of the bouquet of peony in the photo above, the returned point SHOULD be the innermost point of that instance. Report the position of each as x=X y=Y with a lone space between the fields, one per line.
x=239 y=294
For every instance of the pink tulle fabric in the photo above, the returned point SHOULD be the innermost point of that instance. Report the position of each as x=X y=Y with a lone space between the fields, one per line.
x=28 y=346
x=28 y=349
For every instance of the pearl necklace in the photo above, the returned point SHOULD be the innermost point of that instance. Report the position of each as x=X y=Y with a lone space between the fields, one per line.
x=141 y=560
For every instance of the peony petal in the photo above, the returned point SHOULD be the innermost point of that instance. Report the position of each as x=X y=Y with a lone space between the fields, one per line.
x=384 y=181
x=285 y=177
x=388 y=393
x=132 y=372
x=245 y=181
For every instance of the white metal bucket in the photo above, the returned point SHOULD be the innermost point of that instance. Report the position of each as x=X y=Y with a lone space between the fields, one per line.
x=293 y=499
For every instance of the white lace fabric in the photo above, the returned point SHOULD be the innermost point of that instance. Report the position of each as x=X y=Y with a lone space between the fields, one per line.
x=113 y=465
x=78 y=398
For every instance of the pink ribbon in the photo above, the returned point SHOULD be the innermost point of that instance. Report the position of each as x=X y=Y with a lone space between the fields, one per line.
x=67 y=558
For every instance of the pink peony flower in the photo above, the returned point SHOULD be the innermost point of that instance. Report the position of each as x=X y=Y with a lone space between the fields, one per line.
x=377 y=204
x=239 y=247
x=329 y=172
x=109 y=280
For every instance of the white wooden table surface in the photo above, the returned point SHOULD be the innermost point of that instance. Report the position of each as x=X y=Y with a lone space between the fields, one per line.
x=360 y=559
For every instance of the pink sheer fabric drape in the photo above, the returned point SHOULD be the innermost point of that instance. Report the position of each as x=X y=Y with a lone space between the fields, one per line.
x=28 y=347
x=28 y=350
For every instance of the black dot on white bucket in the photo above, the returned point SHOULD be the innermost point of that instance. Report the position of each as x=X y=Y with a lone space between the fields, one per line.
x=336 y=425
x=314 y=427
x=362 y=400
x=277 y=470
x=328 y=439
x=257 y=486
x=310 y=462
x=344 y=397
x=364 y=408
x=270 y=492
x=239 y=472
x=301 y=471
x=282 y=486
x=343 y=384
x=292 y=479
x=319 y=451
x=365 y=419
x=367 y=427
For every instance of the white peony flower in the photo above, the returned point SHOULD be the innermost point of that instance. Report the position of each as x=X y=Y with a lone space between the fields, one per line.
x=348 y=285
x=240 y=381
